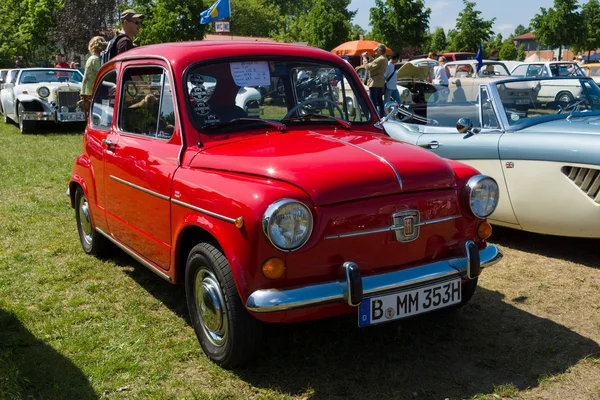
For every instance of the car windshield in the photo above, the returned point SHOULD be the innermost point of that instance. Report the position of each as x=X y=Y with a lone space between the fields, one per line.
x=50 y=75
x=539 y=100
x=272 y=91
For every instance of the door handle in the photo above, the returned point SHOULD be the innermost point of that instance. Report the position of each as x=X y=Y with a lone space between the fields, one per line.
x=434 y=144
x=108 y=143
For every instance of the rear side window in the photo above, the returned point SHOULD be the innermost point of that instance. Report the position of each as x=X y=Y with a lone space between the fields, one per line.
x=104 y=101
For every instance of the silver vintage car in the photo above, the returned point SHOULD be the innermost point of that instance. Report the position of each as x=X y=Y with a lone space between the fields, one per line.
x=545 y=155
x=42 y=94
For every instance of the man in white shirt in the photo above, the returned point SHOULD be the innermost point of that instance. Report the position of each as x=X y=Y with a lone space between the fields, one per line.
x=391 y=80
x=440 y=79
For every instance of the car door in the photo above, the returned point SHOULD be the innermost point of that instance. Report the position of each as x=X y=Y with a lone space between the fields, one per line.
x=10 y=97
x=99 y=128
x=145 y=152
x=479 y=150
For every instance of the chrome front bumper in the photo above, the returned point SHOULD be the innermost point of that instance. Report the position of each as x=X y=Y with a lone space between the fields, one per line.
x=352 y=288
x=38 y=116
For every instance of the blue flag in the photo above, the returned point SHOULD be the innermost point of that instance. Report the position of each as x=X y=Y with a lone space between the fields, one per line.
x=221 y=9
x=479 y=58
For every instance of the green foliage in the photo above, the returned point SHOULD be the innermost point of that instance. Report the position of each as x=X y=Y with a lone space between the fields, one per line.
x=470 y=29
x=400 y=23
x=558 y=26
x=170 y=21
x=590 y=38
x=508 y=51
x=255 y=18
x=493 y=44
x=521 y=30
x=355 y=32
x=438 y=41
x=521 y=53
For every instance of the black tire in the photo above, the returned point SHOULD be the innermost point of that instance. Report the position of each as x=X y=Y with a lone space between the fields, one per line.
x=565 y=97
x=228 y=334
x=92 y=242
x=5 y=117
x=25 y=126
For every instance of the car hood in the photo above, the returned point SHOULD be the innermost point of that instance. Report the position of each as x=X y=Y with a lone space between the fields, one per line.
x=332 y=167
x=409 y=71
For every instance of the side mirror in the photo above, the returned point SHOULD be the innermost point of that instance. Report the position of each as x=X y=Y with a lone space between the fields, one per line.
x=391 y=108
x=464 y=125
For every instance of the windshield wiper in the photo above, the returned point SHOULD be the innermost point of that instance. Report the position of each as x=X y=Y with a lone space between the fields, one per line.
x=308 y=117
x=244 y=121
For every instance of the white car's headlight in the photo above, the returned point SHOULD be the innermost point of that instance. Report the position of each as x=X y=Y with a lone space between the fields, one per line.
x=288 y=224
x=43 y=92
x=404 y=93
x=482 y=195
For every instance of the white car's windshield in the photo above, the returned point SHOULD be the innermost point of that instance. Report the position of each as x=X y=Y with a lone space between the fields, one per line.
x=271 y=91
x=533 y=101
x=49 y=75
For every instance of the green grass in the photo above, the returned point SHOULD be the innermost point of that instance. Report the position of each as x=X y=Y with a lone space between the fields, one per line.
x=77 y=327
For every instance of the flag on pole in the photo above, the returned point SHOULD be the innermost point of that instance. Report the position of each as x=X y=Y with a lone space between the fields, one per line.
x=221 y=9
x=479 y=58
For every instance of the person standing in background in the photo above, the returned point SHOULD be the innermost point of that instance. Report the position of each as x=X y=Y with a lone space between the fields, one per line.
x=131 y=22
x=61 y=62
x=391 y=80
x=376 y=83
x=92 y=65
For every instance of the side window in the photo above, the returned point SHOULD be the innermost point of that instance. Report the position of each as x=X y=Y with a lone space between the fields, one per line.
x=451 y=71
x=520 y=71
x=104 y=101
x=140 y=100
x=166 y=116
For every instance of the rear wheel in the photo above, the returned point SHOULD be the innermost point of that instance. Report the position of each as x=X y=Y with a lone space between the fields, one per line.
x=24 y=125
x=92 y=242
x=565 y=97
x=228 y=334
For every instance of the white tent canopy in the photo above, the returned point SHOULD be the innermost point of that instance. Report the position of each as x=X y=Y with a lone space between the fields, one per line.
x=534 y=58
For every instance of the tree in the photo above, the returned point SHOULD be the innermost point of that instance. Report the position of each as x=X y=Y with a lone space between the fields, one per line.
x=521 y=30
x=495 y=43
x=170 y=21
x=255 y=18
x=521 y=53
x=590 y=38
x=508 y=51
x=356 y=31
x=558 y=26
x=80 y=20
x=438 y=41
x=399 y=23
x=470 y=30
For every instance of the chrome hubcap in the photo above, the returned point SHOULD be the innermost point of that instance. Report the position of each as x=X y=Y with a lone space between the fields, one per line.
x=84 y=220
x=211 y=307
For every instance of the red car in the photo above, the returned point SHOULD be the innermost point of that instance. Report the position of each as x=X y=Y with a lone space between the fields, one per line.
x=306 y=210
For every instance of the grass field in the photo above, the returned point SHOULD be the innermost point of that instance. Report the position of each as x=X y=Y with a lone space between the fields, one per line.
x=76 y=327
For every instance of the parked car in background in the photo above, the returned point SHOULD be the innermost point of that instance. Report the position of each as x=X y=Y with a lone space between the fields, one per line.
x=464 y=79
x=552 y=90
x=545 y=156
x=301 y=213
x=592 y=70
x=459 y=56
x=34 y=95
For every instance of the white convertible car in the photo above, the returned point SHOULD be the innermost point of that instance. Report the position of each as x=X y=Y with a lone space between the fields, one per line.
x=42 y=94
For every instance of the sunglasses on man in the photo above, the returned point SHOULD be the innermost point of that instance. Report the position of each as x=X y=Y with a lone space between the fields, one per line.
x=138 y=22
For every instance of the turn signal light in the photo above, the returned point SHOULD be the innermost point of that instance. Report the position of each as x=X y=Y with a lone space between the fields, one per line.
x=273 y=268
x=484 y=230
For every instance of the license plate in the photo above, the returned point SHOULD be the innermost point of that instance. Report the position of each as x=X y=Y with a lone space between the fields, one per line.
x=70 y=116
x=522 y=101
x=390 y=307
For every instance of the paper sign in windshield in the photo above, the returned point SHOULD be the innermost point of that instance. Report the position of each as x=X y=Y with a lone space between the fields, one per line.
x=253 y=73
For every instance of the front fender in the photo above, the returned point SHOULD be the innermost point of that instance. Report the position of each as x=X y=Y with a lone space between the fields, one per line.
x=33 y=103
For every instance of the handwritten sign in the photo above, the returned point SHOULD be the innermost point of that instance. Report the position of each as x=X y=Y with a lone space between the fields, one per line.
x=253 y=73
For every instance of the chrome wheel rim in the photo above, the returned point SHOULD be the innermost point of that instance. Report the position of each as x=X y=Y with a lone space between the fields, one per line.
x=85 y=222
x=565 y=98
x=210 y=307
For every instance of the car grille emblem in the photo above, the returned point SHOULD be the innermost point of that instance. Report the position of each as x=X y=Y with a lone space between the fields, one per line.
x=406 y=225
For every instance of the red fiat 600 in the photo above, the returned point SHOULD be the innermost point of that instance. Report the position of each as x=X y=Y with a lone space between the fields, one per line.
x=241 y=170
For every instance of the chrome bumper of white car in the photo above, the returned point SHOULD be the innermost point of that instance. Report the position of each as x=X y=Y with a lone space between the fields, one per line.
x=352 y=288
x=38 y=116
x=51 y=116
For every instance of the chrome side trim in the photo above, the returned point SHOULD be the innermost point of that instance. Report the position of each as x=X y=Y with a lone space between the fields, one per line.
x=137 y=257
x=203 y=211
x=391 y=228
x=270 y=300
x=389 y=164
x=150 y=192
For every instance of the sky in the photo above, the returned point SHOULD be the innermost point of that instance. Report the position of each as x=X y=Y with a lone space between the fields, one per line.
x=508 y=13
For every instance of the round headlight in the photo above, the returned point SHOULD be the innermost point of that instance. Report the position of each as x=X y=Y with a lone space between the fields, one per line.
x=288 y=224
x=43 y=91
x=482 y=195
x=405 y=93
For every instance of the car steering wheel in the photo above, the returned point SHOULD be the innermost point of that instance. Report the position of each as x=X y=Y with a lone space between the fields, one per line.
x=305 y=102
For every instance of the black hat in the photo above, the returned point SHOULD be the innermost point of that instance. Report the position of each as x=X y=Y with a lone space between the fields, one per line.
x=131 y=13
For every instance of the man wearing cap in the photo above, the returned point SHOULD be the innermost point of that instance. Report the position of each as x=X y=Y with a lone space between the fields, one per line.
x=131 y=22
x=580 y=60
x=376 y=69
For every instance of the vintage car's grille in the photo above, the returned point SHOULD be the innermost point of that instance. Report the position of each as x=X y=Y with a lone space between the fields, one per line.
x=68 y=99
x=587 y=179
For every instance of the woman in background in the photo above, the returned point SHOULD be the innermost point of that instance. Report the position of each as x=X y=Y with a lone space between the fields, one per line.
x=96 y=45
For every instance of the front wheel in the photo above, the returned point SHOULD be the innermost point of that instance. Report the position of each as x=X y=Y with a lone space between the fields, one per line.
x=565 y=97
x=92 y=242
x=228 y=334
x=24 y=125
